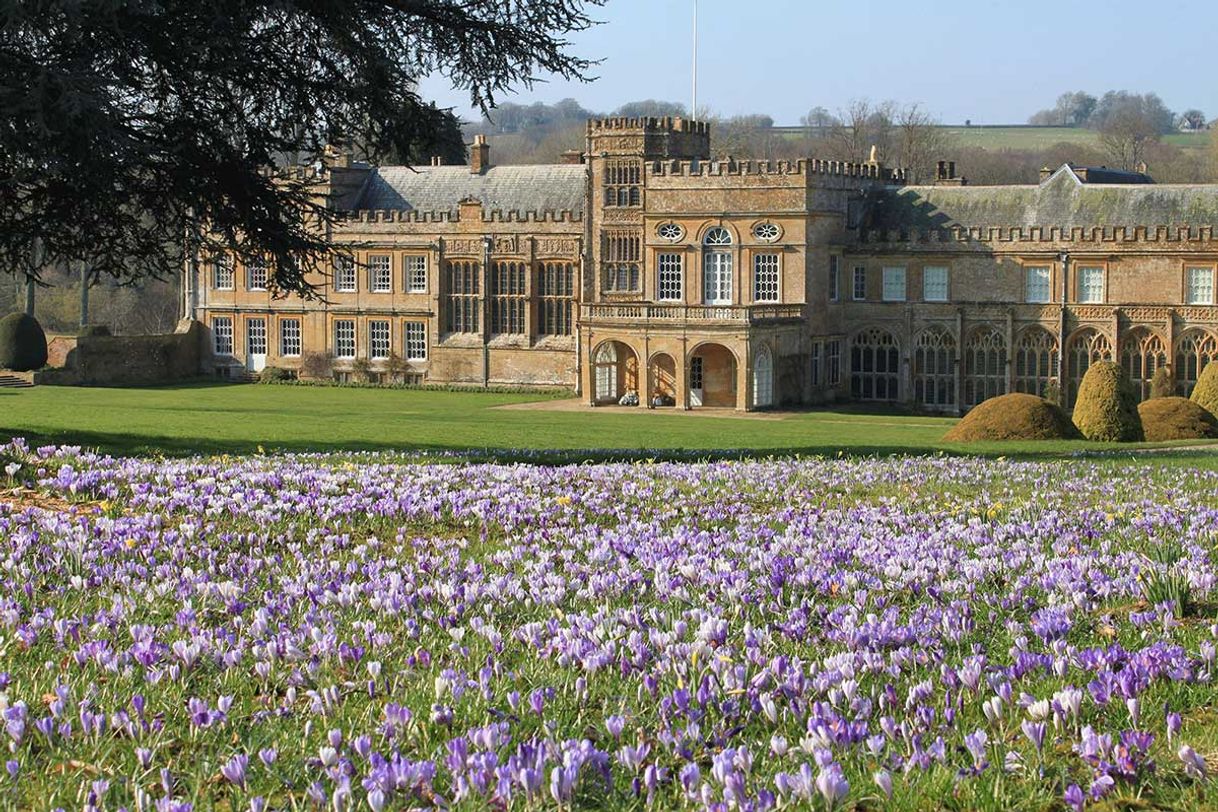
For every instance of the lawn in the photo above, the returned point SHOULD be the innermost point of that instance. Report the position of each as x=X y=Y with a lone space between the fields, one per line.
x=346 y=632
x=227 y=418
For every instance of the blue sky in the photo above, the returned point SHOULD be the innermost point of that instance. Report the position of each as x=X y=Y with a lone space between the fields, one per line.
x=990 y=61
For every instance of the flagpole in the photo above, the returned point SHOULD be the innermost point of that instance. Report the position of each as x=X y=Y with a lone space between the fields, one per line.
x=693 y=107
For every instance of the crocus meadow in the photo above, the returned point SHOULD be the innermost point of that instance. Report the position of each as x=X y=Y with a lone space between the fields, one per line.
x=363 y=631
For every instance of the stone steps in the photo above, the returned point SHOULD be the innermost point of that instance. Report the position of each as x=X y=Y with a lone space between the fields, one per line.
x=8 y=381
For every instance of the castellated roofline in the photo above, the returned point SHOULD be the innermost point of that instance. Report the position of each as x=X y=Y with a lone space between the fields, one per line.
x=803 y=166
x=492 y=216
x=650 y=124
x=1041 y=234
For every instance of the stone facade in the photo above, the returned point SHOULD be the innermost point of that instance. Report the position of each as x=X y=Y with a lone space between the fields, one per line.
x=645 y=272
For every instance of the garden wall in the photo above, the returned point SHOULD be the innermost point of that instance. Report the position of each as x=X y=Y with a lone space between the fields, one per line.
x=101 y=360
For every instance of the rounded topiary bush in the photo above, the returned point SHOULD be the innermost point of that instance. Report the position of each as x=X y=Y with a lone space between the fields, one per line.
x=274 y=375
x=1176 y=419
x=1013 y=417
x=1161 y=385
x=23 y=345
x=1107 y=408
x=1205 y=393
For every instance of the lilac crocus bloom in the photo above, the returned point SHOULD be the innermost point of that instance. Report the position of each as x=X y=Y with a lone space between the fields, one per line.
x=1074 y=798
x=831 y=783
x=1194 y=764
x=1035 y=731
x=234 y=769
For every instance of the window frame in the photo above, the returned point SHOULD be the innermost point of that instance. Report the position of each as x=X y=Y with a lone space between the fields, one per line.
x=249 y=275
x=776 y=270
x=946 y=284
x=410 y=341
x=1028 y=271
x=858 y=292
x=835 y=289
x=344 y=265
x=889 y=273
x=672 y=265
x=1081 y=285
x=414 y=273
x=226 y=262
x=1207 y=271
x=217 y=333
x=380 y=277
x=284 y=321
x=374 y=341
x=340 y=330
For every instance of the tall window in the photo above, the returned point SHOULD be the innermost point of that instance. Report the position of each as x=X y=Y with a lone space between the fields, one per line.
x=255 y=336
x=222 y=334
x=818 y=350
x=508 y=300
x=344 y=338
x=461 y=303
x=414 y=336
x=833 y=362
x=255 y=274
x=875 y=366
x=934 y=368
x=717 y=267
x=1035 y=360
x=934 y=283
x=378 y=339
x=1201 y=286
x=860 y=283
x=223 y=277
x=414 y=269
x=555 y=298
x=622 y=179
x=763 y=377
x=765 y=278
x=1091 y=285
x=1194 y=350
x=834 y=278
x=344 y=273
x=894 y=284
x=622 y=253
x=985 y=365
x=289 y=337
x=1036 y=284
x=1088 y=346
x=380 y=273
x=669 y=284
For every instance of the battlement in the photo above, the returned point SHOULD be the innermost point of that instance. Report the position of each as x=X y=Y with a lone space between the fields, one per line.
x=1037 y=234
x=803 y=166
x=492 y=216
x=649 y=124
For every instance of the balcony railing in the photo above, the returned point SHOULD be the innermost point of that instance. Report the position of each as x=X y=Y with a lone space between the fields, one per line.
x=645 y=311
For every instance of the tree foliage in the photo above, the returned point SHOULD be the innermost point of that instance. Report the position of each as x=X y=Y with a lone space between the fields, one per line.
x=127 y=127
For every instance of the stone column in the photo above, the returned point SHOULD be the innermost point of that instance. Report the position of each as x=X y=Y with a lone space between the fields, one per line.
x=1010 y=339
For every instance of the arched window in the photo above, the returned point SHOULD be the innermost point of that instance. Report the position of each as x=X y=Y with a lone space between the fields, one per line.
x=1142 y=354
x=763 y=378
x=717 y=268
x=1085 y=348
x=934 y=372
x=1035 y=360
x=985 y=365
x=606 y=372
x=875 y=365
x=1194 y=350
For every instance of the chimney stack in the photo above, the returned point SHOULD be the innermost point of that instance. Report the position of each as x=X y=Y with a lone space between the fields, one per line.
x=479 y=156
x=571 y=156
x=945 y=174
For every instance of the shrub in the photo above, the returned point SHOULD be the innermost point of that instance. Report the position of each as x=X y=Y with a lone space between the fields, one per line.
x=1176 y=419
x=274 y=375
x=93 y=330
x=1053 y=392
x=1107 y=408
x=1161 y=385
x=23 y=345
x=1014 y=417
x=395 y=366
x=316 y=365
x=361 y=368
x=1205 y=393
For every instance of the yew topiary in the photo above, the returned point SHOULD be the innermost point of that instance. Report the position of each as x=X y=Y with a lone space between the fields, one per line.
x=1205 y=393
x=1176 y=419
x=23 y=345
x=1014 y=417
x=1107 y=408
x=1161 y=385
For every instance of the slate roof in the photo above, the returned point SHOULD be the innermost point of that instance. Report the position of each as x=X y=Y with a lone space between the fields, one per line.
x=550 y=187
x=1062 y=200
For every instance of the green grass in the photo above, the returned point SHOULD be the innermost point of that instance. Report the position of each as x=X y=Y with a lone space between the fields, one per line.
x=226 y=418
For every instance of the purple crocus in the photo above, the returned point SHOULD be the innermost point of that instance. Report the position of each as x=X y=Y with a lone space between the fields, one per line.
x=234 y=769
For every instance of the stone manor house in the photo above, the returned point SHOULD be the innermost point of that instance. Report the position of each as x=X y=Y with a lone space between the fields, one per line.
x=643 y=271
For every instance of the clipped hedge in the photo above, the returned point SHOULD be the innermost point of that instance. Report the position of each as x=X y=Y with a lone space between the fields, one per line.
x=1107 y=408
x=1176 y=419
x=274 y=375
x=1016 y=416
x=1205 y=393
x=23 y=344
x=1161 y=384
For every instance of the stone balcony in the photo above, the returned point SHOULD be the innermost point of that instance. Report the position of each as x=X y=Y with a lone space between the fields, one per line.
x=621 y=313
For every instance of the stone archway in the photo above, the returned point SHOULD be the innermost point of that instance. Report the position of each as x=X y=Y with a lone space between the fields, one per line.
x=615 y=373
x=712 y=377
x=663 y=372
